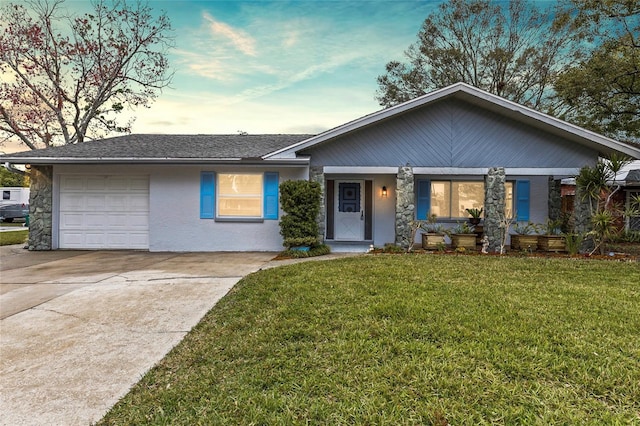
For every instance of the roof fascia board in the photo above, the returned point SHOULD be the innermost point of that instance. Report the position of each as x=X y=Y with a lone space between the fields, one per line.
x=177 y=161
x=541 y=171
x=360 y=170
x=300 y=159
x=482 y=171
x=451 y=171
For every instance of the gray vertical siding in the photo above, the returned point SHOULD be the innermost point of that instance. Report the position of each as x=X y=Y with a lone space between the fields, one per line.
x=450 y=133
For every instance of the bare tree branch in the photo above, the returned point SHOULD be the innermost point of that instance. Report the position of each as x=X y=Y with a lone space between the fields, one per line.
x=511 y=49
x=62 y=89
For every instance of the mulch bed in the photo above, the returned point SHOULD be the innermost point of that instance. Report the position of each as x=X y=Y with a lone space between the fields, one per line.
x=632 y=256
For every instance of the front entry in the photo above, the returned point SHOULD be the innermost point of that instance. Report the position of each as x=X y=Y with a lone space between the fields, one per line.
x=349 y=210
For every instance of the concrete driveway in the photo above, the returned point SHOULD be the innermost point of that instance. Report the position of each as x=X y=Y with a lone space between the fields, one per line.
x=78 y=329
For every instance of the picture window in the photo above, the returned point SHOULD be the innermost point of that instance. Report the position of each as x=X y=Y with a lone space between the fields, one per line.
x=450 y=199
x=240 y=195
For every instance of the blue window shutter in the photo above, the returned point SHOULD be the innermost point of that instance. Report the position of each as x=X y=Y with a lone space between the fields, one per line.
x=271 y=195
x=207 y=195
x=423 y=201
x=523 y=189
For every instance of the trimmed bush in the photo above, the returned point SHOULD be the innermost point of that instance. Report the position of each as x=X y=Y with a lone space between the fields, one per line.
x=300 y=200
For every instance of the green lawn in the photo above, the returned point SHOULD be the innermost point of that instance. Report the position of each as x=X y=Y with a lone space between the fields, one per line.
x=14 y=237
x=408 y=339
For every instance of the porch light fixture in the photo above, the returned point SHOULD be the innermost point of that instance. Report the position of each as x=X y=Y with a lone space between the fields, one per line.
x=384 y=192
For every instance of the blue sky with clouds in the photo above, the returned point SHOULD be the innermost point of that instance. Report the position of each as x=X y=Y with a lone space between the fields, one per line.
x=278 y=66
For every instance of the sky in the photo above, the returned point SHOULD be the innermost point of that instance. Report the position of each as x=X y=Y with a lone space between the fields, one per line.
x=301 y=66
x=278 y=66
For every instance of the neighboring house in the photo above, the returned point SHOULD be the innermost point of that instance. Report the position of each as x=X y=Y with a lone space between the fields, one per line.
x=440 y=153
x=628 y=179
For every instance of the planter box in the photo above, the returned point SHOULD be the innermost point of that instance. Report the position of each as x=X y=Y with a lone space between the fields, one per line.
x=468 y=241
x=432 y=241
x=524 y=242
x=552 y=243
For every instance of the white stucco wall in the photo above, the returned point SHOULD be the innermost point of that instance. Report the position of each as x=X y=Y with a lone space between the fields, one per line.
x=539 y=196
x=384 y=224
x=174 y=204
x=175 y=215
x=539 y=199
x=383 y=207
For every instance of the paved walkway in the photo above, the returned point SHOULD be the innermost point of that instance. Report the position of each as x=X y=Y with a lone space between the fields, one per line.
x=12 y=228
x=78 y=329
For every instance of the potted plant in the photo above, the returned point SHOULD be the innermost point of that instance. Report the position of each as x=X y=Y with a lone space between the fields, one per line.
x=476 y=215
x=552 y=239
x=432 y=233
x=525 y=236
x=463 y=235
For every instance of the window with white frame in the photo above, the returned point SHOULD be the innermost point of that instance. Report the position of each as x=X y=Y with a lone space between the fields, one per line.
x=451 y=199
x=239 y=195
x=508 y=200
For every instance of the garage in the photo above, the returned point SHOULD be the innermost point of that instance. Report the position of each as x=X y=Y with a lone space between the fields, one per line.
x=104 y=212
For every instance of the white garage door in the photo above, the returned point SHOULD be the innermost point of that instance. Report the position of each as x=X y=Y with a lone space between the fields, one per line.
x=104 y=212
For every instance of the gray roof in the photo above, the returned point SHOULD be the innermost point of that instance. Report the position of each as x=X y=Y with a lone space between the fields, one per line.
x=633 y=176
x=151 y=147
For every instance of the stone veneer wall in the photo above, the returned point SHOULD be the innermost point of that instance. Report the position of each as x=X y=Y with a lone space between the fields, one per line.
x=494 y=201
x=582 y=207
x=555 y=198
x=405 y=205
x=41 y=208
x=316 y=174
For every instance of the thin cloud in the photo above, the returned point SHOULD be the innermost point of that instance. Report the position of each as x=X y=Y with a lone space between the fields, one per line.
x=292 y=77
x=209 y=69
x=290 y=39
x=206 y=65
x=241 y=40
x=278 y=47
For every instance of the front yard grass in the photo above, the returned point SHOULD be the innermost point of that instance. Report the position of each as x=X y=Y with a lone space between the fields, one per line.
x=408 y=339
x=8 y=238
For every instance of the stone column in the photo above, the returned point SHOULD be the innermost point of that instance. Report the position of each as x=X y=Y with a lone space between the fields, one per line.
x=405 y=205
x=494 y=199
x=582 y=208
x=316 y=174
x=41 y=208
x=555 y=198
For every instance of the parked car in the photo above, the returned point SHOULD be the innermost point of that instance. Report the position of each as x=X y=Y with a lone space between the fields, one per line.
x=9 y=212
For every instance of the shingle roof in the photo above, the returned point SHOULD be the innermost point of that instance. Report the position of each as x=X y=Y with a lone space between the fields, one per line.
x=158 y=147
x=633 y=176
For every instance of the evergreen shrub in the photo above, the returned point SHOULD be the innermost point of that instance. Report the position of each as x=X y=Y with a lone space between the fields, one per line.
x=300 y=200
